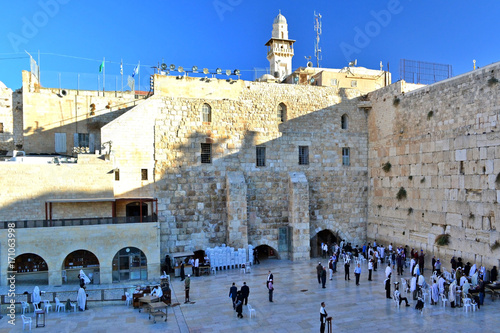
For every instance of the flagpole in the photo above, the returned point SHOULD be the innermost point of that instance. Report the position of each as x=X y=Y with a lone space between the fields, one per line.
x=121 y=72
x=139 y=69
x=103 y=74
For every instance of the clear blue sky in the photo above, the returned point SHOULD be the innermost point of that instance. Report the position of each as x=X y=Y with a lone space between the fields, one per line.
x=231 y=34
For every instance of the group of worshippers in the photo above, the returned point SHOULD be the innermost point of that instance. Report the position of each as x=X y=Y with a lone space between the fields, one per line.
x=239 y=297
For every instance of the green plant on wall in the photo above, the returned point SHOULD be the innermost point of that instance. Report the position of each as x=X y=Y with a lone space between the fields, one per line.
x=387 y=166
x=495 y=246
x=430 y=114
x=396 y=101
x=443 y=239
x=410 y=211
x=492 y=81
x=401 y=194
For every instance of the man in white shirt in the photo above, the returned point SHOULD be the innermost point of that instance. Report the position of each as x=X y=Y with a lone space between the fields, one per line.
x=388 y=270
x=322 y=317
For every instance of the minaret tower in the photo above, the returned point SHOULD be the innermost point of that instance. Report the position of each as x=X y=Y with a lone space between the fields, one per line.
x=280 y=49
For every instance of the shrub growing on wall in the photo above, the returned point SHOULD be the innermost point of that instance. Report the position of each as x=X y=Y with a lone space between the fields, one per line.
x=401 y=194
x=443 y=239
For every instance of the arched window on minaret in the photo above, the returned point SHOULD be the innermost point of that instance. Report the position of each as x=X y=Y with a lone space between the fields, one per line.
x=206 y=113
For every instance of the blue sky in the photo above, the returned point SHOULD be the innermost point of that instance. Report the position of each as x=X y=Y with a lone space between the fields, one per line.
x=231 y=34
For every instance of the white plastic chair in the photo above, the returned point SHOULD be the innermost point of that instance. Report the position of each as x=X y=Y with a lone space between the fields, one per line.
x=248 y=268
x=26 y=306
x=251 y=310
x=396 y=301
x=73 y=305
x=443 y=299
x=64 y=276
x=128 y=299
x=213 y=270
x=46 y=305
x=36 y=307
x=59 y=305
x=467 y=303
x=26 y=321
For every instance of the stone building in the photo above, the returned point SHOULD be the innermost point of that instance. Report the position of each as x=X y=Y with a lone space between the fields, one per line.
x=205 y=162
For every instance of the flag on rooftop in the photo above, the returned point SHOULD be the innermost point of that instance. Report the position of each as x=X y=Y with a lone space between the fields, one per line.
x=101 y=67
x=136 y=69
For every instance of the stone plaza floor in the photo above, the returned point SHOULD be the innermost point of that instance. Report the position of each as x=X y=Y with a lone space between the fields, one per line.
x=295 y=308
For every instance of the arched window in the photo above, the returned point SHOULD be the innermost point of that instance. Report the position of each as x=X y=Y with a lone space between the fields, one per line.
x=281 y=112
x=130 y=264
x=206 y=113
x=344 y=121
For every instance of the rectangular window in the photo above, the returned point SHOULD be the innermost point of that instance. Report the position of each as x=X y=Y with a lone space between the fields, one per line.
x=117 y=174
x=83 y=139
x=1 y=127
x=354 y=83
x=144 y=174
x=260 y=153
x=303 y=155
x=206 y=153
x=346 y=156
x=333 y=82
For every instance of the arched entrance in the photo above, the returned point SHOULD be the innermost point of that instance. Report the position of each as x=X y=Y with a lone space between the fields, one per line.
x=267 y=252
x=31 y=269
x=324 y=236
x=130 y=263
x=80 y=260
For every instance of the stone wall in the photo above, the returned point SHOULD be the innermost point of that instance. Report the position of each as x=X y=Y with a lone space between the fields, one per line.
x=26 y=187
x=47 y=111
x=192 y=195
x=443 y=144
x=6 y=119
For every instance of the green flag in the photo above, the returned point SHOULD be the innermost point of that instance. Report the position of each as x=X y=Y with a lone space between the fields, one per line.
x=101 y=67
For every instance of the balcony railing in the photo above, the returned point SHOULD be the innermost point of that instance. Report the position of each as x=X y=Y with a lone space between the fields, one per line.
x=78 y=222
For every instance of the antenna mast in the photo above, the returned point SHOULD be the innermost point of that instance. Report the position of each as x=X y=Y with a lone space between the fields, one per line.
x=317 y=28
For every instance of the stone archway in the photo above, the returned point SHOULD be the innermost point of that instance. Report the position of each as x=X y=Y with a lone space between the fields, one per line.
x=31 y=269
x=80 y=260
x=267 y=252
x=324 y=236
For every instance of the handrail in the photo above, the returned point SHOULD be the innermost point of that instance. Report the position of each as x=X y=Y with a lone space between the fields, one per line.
x=78 y=222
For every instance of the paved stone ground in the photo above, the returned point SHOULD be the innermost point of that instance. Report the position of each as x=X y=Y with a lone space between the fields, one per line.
x=295 y=308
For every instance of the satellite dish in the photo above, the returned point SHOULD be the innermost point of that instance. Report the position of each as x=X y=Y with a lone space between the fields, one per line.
x=296 y=79
x=180 y=69
x=163 y=66
x=353 y=63
x=236 y=72
x=312 y=80
x=218 y=71
x=228 y=72
x=205 y=70
x=172 y=67
x=195 y=69
x=309 y=64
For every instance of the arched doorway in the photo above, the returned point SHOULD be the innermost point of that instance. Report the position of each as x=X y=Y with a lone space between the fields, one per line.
x=80 y=260
x=324 y=236
x=130 y=263
x=266 y=252
x=31 y=269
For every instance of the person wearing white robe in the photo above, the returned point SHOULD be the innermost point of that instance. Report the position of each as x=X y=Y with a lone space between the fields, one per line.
x=421 y=281
x=441 y=284
x=36 y=299
x=452 y=295
x=81 y=299
x=416 y=271
x=412 y=264
x=463 y=279
x=388 y=270
x=466 y=288
x=84 y=277
x=474 y=279
x=473 y=270
x=434 y=293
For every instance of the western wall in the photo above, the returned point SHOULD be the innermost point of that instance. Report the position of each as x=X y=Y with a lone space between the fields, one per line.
x=442 y=143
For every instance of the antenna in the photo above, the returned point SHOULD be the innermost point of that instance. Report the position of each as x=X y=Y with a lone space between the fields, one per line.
x=317 y=28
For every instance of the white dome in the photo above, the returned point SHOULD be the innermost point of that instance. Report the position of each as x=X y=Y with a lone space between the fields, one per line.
x=280 y=19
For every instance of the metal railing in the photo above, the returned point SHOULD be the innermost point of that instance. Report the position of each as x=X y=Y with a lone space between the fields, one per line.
x=78 y=222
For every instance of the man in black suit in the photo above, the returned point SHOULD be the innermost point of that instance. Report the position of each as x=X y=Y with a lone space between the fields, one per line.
x=270 y=277
x=232 y=293
x=245 y=291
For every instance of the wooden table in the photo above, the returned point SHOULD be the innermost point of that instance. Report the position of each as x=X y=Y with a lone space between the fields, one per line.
x=147 y=300
x=40 y=314
x=155 y=310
